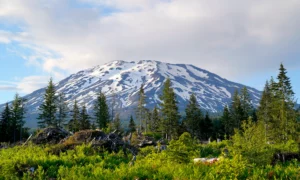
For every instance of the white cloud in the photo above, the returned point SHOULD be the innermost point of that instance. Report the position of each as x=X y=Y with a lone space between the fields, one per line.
x=32 y=83
x=233 y=38
x=8 y=88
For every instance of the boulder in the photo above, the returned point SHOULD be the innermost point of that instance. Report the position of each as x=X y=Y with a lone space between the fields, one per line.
x=206 y=160
x=51 y=135
x=84 y=136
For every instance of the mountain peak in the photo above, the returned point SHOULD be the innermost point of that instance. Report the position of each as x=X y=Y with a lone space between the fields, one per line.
x=123 y=79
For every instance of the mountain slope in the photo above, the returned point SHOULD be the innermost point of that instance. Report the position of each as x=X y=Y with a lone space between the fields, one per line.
x=121 y=80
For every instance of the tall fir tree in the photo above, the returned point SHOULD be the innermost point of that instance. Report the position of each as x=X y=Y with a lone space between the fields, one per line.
x=62 y=111
x=227 y=123
x=5 y=124
x=17 y=117
x=264 y=112
x=207 y=127
x=84 y=119
x=246 y=104
x=141 y=111
x=131 y=125
x=169 y=110
x=74 y=124
x=194 y=117
x=101 y=111
x=155 y=125
x=148 y=120
x=284 y=113
x=117 y=125
x=236 y=110
x=48 y=108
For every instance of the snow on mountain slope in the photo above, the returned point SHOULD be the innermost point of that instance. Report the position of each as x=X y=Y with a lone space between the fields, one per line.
x=122 y=80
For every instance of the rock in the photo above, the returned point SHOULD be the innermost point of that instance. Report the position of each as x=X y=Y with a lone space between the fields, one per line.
x=111 y=142
x=206 y=160
x=84 y=136
x=197 y=160
x=50 y=135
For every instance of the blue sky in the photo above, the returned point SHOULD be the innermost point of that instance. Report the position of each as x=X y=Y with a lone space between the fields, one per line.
x=242 y=41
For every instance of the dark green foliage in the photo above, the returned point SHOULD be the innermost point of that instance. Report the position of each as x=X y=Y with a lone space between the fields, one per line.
x=236 y=111
x=148 y=120
x=5 y=124
x=265 y=110
x=117 y=125
x=194 y=118
x=207 y=127
x=93 y=126
x=284 y=105
x=217 y=129
x=277 y=109
x=84 y=119
x=227 y=123
x=12 y=121
x=101 y=111
x=169 y=110
x=246 y=104
x=62 y=111
x=17 y=117
x=74 y=123
x=131 y=125
x=155 y=121
x=48 y=108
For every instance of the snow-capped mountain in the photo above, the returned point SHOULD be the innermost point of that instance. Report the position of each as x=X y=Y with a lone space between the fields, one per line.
x=122 y=80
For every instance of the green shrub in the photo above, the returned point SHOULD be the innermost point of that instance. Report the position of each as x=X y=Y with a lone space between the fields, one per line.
x=83 y=162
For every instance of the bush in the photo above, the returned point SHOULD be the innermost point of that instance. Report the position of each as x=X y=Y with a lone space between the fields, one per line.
x=83 y=162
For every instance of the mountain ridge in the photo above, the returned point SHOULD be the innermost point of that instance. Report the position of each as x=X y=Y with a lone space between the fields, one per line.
x=121 y=79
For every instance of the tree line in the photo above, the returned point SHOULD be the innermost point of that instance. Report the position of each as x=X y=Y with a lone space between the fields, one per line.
x=276 y=110
x=12 y=121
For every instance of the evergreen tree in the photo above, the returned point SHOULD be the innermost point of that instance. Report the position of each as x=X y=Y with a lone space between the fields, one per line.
x=84 y=119
x=93 y=126
x=62 y=111
x=117 y=123
x=147 y=120
x=17 y=117
x=74 y=124
x=246 y=104
x=226 y=121
x=169 y=110
x=284 y=114
x=194 y=117
x=131 y=125
x=254 y=115
x=101 y=111
x=155 y=125
x=207 y=127
x=265 y=110
x=48 y=108
x=236 y=110
x=141 y=112
x=5 y=124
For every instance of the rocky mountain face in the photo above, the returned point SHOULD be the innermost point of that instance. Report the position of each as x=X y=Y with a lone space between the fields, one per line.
x=120 y=82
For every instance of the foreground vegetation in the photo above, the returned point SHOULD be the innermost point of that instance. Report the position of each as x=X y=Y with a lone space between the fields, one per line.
x=250 y=161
